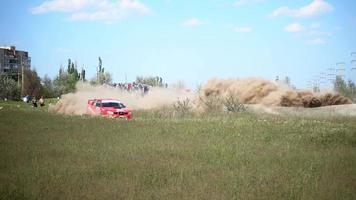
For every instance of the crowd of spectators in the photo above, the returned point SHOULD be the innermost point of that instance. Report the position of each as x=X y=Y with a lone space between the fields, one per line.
x=34 y=101
x=132 y=87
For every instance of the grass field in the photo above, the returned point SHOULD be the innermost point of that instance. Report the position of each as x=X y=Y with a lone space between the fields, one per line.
x=242 y=156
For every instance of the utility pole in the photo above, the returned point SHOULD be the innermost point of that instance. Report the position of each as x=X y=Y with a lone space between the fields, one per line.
x=353 y=66
x=331 y=75
x=353 y=63
x=18 y=77
x=340 y=69
x=22 y=80
x=316 y=84
x=323 y=80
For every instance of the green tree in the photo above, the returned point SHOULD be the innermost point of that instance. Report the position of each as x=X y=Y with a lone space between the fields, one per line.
x=9 y=88
x=69 y=66
x=102 y=77
x=352 y=90
x=65 y=82
x=340 y=85
x=60 y=84
x=32 y=84
x=48 y=88
x=82 y=75
x=346 y=89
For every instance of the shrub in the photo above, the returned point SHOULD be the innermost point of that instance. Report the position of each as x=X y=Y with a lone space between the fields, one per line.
x=211 y=103
x=182 y=107
x=233 y=104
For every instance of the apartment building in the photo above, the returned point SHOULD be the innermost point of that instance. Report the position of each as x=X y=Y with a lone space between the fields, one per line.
x=12 y=60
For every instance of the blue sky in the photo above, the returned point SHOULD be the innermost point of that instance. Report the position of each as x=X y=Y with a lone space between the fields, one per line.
x=191 y=41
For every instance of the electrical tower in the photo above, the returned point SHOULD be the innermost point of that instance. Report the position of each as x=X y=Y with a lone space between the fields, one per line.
x=353 y=67
x=331 y=75
x=340 y=69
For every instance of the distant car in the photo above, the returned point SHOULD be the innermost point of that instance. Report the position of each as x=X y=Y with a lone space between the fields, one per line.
x=108 y=108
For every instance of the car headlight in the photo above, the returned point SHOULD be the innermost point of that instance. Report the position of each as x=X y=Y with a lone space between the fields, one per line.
x=110 y=112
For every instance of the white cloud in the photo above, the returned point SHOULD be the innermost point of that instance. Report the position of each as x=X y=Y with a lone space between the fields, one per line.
x=294 y=27
x=312 y=30
x=62 y=6
x=94 y=10
x=242 y=29
x=192 y=22
x=312 y=33
x=316 y=41
x=315 y=8
x=239 y=3
x=114 y=11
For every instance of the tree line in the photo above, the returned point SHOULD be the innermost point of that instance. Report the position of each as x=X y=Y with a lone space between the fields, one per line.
x=345 y=88
x=33 y=85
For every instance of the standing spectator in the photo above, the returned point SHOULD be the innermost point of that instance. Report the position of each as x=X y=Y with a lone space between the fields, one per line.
x=42 y=101
x=129 y=87
x=145 y=89
x=34 y=102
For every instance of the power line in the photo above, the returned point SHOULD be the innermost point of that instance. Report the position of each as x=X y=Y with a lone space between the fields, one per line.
x=331 y=73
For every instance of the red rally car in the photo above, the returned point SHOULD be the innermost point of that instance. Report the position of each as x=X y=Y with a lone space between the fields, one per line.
x=108 y=108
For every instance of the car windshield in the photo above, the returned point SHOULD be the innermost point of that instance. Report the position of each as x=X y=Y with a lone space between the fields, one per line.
x=113 y=105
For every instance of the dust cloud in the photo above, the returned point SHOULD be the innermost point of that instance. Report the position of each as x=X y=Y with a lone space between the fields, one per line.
x=253 y=91
x=76 y=103
x=268 y=93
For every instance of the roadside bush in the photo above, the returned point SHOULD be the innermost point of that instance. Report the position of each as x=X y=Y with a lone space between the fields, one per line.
x=211 y=103
x=233 y=104
x=218 y=103
x=182 y=107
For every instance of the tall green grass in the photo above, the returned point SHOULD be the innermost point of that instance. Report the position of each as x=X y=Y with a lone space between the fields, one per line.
x=210 y=156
